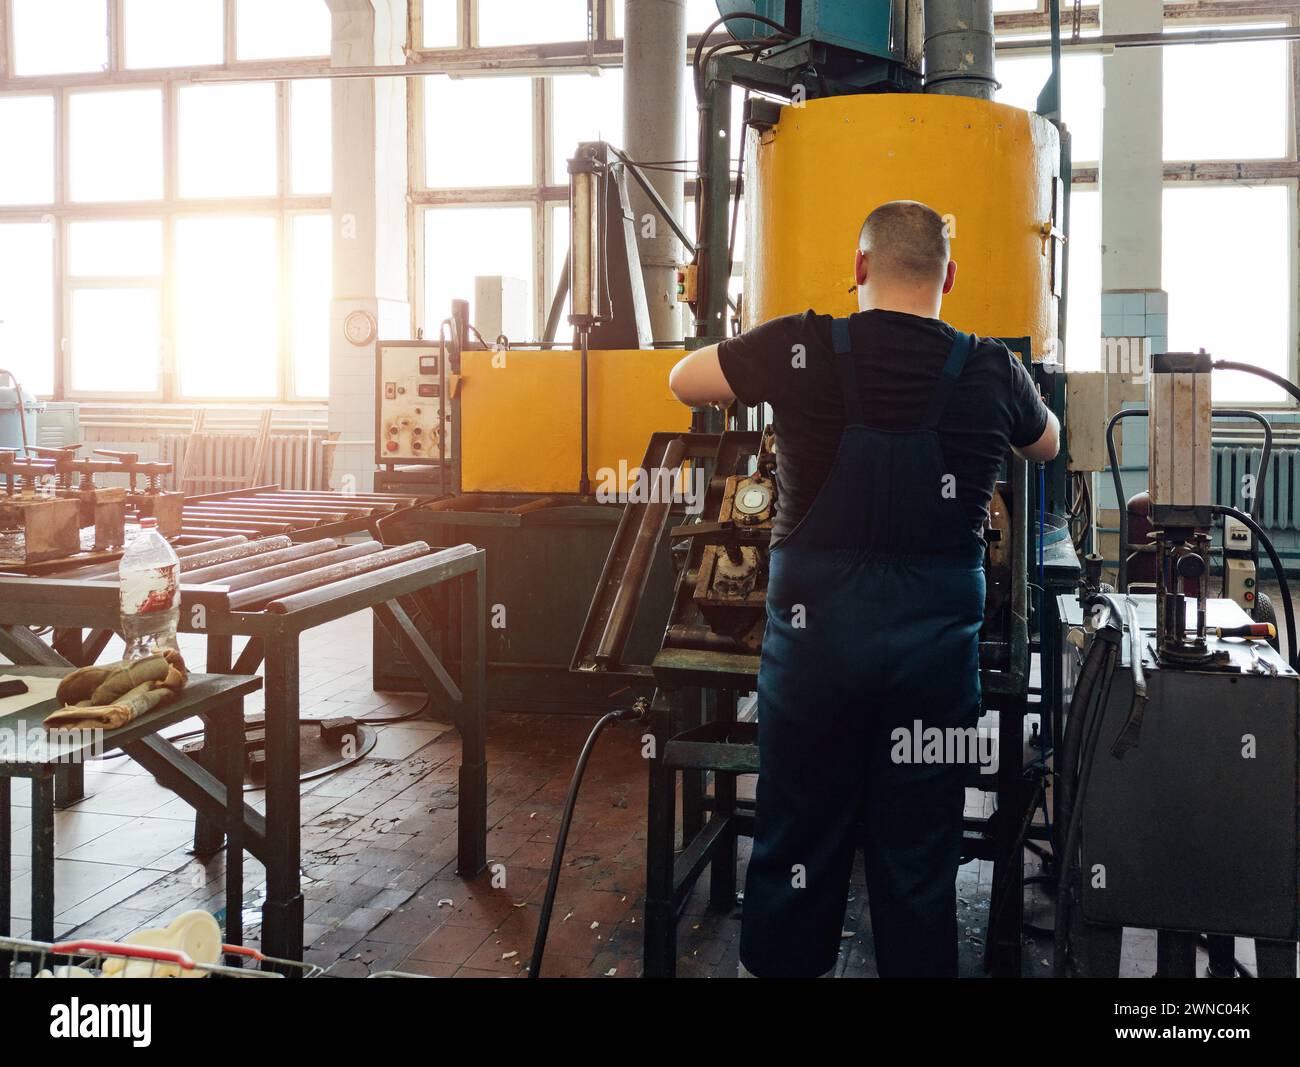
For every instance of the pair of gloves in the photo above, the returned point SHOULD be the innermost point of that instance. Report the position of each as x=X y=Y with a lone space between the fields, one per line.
x=106 y=698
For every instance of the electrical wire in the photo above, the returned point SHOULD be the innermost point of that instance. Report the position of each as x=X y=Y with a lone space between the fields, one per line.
x=636 y=713
x=1285 y=591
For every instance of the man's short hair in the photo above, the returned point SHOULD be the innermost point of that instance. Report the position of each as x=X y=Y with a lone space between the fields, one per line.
x=907 y=240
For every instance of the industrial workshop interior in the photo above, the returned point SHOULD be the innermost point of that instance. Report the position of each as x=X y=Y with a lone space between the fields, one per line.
x=651 y=488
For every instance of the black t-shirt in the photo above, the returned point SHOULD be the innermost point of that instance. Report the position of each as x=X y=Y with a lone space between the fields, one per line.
x=789 y=364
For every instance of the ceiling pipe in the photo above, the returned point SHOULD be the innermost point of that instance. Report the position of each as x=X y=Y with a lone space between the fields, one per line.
x=959 y=48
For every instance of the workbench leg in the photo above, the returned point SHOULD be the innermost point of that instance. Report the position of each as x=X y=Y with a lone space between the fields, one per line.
x=43 y=857
x=722 y=872
x=697 y=711
x=1175 y=954
x=1275 y=959
x=207 y=835
x=224 y=735
x=1007 y=901
x=6 y=866
x=282 y=914
x=69 y=784
x=471 y=810
x=660 y=946
x=1096 y=948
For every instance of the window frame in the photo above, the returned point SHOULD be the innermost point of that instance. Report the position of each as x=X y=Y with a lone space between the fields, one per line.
x=283 y=204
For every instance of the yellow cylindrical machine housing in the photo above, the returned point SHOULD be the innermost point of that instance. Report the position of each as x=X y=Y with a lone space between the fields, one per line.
x=992 y=170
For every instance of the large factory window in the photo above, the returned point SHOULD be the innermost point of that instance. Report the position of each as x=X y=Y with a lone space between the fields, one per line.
x=172 y=33
x=114 y=305
x=462 y=243
x=228 y=140
x=227 y=277
x=1243 y=117
x=505 y=22
x=27 y=177
x=441 y=25
x=1228 y=270
x=115 y=145
x=59 y=36
x=277 y=29
x=27 y=303
x=1023 y=78
x=584 y=108
x=310 y=137
x=1083 y=324
x=311 y=268
x=478 y=132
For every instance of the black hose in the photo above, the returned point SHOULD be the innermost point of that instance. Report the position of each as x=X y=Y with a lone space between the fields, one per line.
x=1268 y=375
x=1087 y=710
x=634 y=714
x=1262 y=538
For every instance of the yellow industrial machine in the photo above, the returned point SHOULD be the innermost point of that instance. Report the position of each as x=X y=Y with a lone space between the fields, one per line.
x=993 y=172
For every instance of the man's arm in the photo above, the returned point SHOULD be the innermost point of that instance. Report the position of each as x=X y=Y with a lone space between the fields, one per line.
x=698 y=380
x=1043 y=450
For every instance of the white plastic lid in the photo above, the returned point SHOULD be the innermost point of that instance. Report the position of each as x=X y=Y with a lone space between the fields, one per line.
x=149 y=522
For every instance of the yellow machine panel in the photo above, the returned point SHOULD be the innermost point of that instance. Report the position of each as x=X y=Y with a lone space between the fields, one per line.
x=992 y=170
x=520 y=416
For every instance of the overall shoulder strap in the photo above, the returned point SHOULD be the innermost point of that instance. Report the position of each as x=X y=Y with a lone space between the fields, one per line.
x=962 y=347
x=843 y=346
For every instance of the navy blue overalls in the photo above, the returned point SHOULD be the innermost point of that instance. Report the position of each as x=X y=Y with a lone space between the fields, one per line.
x=874 y=608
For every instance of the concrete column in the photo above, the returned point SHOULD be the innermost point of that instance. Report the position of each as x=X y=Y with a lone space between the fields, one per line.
x=370 y=223
x=1132 y=171
x=1134 y=307
x=654 y=81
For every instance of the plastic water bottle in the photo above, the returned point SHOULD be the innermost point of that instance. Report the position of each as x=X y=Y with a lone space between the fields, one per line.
x=149 y=593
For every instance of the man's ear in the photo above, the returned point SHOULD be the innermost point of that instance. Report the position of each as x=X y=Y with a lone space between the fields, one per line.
x=860 y=267
x=950 y=278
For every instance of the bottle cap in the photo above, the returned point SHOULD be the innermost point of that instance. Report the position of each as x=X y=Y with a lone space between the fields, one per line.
x=149 y=522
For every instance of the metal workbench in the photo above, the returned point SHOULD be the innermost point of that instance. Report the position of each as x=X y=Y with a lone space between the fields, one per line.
x=81 y=611
x=217 y=700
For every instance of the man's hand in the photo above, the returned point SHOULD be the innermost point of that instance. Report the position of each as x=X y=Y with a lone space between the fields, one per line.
x=698 y=380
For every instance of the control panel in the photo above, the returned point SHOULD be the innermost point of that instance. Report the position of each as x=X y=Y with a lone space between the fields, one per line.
x=412 y=408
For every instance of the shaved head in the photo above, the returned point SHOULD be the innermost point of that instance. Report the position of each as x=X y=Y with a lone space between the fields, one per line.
x=907 y=242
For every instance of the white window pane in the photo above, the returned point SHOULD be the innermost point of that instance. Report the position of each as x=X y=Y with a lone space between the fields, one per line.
x=310 y=164
x=1242 y=117
x=559 y=252
x=478 y=132
x=440 y=28
x=27 y=303
x=1243 y=311
x=227 y=140
x=127 y=248
x=27 y=176
x=274 y=29
x=528 y=22
x=584 y=108
x=1023 y=78
x=1083 y=327
x=173 y=33
x=113 y=339
x=461 y=244
x=60 y=36
x=115 y=145
x=227 y=301
x=312 y=286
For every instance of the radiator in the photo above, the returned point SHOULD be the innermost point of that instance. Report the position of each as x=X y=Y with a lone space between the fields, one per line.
x=225 y=461
x=1279 y=508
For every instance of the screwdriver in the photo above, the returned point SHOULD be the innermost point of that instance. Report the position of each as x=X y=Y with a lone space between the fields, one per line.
x=1263 y=630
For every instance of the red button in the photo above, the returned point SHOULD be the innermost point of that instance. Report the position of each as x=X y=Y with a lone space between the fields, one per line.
x=392 y=446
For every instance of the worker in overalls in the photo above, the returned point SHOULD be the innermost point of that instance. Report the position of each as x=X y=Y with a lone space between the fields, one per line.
x=891 y=431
